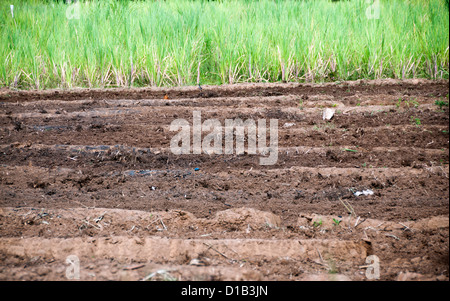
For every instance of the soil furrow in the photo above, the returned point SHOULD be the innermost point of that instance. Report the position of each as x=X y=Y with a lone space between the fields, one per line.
x=91 y=173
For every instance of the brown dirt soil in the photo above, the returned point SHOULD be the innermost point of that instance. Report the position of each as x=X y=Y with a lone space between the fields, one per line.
x=90 y=173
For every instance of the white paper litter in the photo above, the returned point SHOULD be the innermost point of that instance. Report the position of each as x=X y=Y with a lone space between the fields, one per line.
x=364 y=192
x=328 y=113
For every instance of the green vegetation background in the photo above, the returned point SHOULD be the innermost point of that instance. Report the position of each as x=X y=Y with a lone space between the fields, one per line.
x=52 y=44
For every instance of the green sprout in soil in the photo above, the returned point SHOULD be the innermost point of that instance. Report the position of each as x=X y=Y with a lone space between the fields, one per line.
x=414 y=102
x=332 y=267
x=441 y=103
x=336 y=222
x=317 y=224
x=416 y=121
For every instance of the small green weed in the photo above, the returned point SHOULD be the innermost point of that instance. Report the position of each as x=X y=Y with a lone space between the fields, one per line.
x=441 y=103
x=317 y=224
x=416 y=121
x=336 y=222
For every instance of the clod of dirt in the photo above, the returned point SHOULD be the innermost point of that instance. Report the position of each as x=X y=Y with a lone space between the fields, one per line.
x=408 y=276
x=18 y=126
x=38 y=184
x=332 y=222
x=248 y=217
x=325 y=277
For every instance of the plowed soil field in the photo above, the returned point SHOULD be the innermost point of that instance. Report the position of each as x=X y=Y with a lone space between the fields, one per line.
x=90 y=173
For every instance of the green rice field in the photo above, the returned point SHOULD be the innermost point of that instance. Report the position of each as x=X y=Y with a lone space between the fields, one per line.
x=50 y=44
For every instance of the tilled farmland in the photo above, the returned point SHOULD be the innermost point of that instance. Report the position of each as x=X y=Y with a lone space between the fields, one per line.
x=90 y=173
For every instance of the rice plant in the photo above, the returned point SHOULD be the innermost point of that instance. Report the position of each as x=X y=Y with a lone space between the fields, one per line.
x=52 y=44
